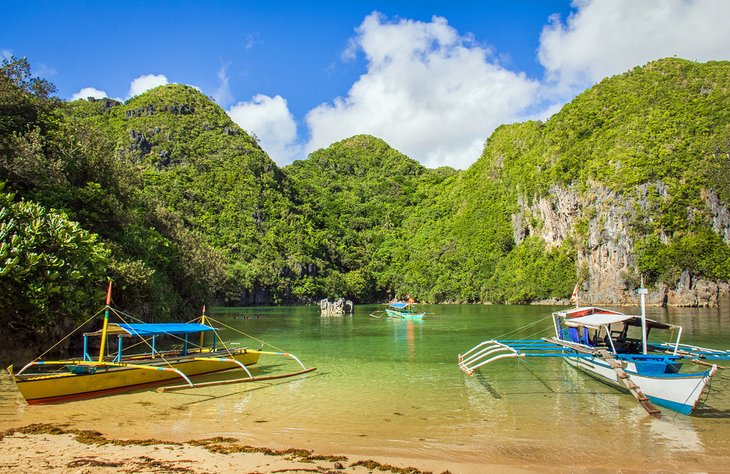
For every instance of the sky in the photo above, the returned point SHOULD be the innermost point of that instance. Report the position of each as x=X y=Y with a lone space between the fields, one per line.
x=433 y=78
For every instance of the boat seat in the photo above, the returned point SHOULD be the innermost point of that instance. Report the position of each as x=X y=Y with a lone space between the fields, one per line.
x=627 y=346
x=587 y=338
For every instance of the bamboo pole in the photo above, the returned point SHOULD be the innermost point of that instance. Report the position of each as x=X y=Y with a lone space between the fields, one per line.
x=202 y=334
x=106 y=322
x=702 y=362
x=229 y=382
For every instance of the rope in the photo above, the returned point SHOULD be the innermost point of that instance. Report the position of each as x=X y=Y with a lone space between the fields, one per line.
x=68 y=335
x=175 y=336
x=525 y=327
x=690 y=394
x=162 y=357
x=244 y=334
x=215 y=334
x=534 y=334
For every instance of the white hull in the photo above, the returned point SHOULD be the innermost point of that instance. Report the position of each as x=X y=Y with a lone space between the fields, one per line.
x=679 y=392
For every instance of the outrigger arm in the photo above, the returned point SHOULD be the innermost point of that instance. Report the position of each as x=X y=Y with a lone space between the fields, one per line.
x=493 y=350
x=228 y=360
x=250 y=377
x=283 y=354
x=243 y=366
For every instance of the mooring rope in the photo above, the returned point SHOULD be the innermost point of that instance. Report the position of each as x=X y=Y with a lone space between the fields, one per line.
x=175 y=336
x=68 y=335
x=244 y=334
x=152 y=349
x=693 y=391
x=525 y=327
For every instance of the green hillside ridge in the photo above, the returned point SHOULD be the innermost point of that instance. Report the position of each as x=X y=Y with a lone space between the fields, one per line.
x=200 y=165
x=356 y=194
x=664 y=125
x=62 y=168
x=186 y=208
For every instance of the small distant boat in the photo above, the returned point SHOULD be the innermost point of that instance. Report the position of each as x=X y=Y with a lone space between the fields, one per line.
x=53 y=381
x=399 y=310
x=614 y=348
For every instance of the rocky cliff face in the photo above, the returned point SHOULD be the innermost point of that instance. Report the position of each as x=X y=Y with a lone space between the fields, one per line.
x=601 y=223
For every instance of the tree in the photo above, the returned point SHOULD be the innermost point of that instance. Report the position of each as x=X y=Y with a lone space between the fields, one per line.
x=23 y=98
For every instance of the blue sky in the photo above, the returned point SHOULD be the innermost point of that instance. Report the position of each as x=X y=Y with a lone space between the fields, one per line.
x=432 y=78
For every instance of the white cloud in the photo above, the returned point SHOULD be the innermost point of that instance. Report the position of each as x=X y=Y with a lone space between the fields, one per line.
x=428 y=92
x=6 y=54
x=87 y=92
x=145 y=83
x=270 y=120
x=436 y=96
x=607 y=37
x=222 y=94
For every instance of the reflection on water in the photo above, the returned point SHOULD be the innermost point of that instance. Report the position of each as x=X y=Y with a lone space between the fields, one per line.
x=391 y=387
x=678 y=432
x=405 y=333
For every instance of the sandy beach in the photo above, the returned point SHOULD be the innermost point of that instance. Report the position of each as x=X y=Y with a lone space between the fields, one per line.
x=49 y=448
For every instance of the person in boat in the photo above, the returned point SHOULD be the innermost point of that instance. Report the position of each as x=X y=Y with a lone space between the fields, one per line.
x=409 y=299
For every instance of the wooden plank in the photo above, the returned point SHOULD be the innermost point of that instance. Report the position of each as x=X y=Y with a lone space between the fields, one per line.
x=630 y=384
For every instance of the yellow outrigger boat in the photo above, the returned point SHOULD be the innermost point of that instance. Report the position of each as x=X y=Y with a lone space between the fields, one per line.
x=52 y=381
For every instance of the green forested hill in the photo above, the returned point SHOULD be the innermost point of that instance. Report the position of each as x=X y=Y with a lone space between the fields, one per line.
x=656 y=139
x=75 y=213
x=195 y=162
x=356 y=195
x=166 y=196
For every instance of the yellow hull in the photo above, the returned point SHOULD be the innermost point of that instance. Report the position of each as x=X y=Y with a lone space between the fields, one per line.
x=108 y=379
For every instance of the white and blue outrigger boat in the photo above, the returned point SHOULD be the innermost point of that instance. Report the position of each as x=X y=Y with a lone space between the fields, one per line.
x=399 y=310
x=614 y=348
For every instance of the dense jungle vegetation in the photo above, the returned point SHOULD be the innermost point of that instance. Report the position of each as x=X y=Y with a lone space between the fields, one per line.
x=167 y=197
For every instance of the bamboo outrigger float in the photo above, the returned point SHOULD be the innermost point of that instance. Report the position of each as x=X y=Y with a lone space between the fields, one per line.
x=53 y=381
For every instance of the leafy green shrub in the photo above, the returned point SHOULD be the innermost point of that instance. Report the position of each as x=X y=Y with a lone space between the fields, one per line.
x=50 y=268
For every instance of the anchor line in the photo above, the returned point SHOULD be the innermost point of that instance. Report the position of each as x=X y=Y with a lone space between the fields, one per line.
x=693 y=391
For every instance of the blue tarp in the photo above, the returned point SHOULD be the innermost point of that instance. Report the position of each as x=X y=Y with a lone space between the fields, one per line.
x=156 y=329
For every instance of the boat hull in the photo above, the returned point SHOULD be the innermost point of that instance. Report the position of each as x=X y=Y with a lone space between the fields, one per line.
x=679 y=392
x=403 y=315
x=52 y=388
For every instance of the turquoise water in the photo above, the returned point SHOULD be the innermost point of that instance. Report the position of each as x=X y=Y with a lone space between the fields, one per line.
x=392 y=387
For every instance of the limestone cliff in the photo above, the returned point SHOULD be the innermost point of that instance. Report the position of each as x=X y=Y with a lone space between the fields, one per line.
x=602 y=222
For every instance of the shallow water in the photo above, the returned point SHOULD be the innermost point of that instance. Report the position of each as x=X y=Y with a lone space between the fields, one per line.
x=392 y=388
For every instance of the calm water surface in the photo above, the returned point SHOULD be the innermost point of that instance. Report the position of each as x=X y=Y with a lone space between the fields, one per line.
x=387 y=387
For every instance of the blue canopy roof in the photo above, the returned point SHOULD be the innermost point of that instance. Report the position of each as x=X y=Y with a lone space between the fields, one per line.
x=155 y=329
x=399 y=305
